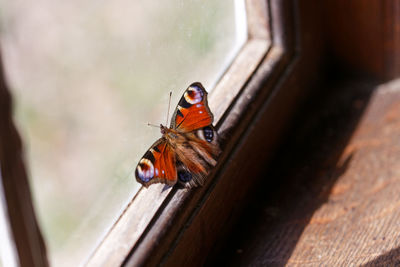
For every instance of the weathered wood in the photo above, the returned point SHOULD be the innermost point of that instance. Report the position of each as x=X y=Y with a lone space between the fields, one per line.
x=257 y=20
x=143 y=225
x=130 y=226
x=239 y=72
x=333 y=198
x=142 y=210
x=26 y=234
x=282 y=81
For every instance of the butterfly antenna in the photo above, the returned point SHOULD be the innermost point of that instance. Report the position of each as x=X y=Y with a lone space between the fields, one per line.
x=153 y=125
x=169 y=106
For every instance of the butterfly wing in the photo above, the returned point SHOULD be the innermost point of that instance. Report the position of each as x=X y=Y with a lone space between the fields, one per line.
x=196 y=157
x=192 y=111
x=158 y=165
x=189 y=156
x=193 y=119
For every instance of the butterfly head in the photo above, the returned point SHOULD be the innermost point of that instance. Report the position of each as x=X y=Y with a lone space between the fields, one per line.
x=187 y=149
x=168 y=133
x=163 y=129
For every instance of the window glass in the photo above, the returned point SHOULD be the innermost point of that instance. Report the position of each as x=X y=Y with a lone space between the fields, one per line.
x=87 y=76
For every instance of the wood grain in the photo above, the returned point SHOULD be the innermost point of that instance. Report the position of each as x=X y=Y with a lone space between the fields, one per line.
x=282 y=78
x=143 y=225
x=232 y=82
x=335 y=196
x=143 y=208
x=130 y=226
x=189 y=222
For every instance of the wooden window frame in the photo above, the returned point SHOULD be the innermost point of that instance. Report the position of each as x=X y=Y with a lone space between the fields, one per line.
x=25 y=233
x=253 y=101
x=153 y=223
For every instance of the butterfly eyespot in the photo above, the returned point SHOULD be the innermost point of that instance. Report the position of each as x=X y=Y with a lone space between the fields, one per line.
x=190 y=137
x=206 y=133
x=184 y=176
x=193 y=95
x=145 y=170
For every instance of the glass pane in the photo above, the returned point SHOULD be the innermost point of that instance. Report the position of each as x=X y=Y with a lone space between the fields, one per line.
x=87 y=76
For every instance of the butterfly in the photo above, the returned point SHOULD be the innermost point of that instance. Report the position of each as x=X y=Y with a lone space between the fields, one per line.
x=187 y=149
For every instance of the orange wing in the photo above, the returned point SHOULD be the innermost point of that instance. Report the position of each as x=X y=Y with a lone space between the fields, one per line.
x=157 y=165
x=192 y=111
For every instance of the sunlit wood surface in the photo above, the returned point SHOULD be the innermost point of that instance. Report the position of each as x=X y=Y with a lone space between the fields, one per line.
x=333 y=196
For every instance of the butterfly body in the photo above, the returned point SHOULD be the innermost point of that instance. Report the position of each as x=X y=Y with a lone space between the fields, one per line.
x=188 y=149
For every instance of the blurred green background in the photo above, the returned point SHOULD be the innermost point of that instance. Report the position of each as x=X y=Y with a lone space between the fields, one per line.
x=87 y=76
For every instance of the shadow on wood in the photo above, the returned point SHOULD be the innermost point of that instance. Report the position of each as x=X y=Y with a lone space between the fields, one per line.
x=392 y=258
x=299 y=180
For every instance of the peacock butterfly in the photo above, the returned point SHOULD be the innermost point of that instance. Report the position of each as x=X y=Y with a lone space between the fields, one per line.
x=187 y=149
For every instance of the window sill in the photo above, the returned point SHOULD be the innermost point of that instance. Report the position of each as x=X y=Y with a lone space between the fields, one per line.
x=153 y=224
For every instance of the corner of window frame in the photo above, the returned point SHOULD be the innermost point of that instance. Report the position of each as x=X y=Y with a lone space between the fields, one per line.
x=156 y=223
x=150 y=228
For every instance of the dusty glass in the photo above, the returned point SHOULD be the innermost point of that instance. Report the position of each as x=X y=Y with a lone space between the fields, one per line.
x=87 y=77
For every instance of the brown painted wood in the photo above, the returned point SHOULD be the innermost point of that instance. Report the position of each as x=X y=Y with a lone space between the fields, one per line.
x=25 y=231
x=253 y=104
x=392 y=38
x=192 y=221
x=142 y=229
x=364 y=36
x=333 y=198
